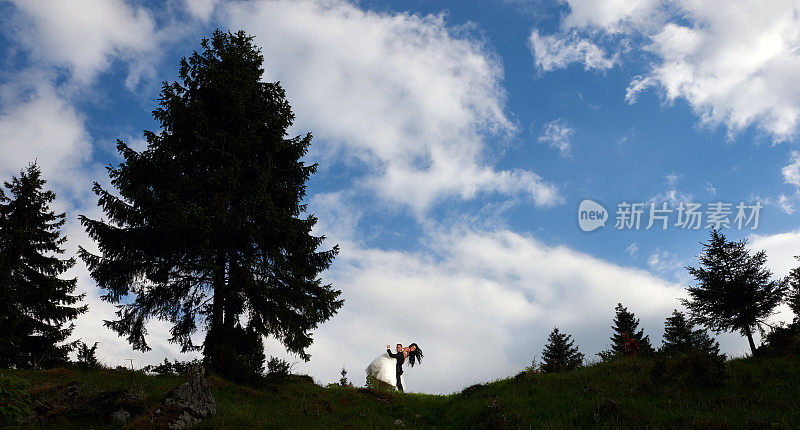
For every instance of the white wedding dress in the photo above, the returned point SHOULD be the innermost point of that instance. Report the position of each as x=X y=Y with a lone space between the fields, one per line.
x=383 y=369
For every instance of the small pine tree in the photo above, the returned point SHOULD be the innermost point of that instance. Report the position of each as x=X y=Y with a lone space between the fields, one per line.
x=559 y=354
x=36 y=306
x=278 y=369
x=534 y=367
x=680 y=336
x=626 y=322
x=87 y=356
x=343 y=382
x=734 y=291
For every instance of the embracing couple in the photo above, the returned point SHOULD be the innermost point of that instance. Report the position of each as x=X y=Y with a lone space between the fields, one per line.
x=389 y=367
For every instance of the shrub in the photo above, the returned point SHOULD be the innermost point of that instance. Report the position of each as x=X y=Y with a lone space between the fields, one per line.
x=164 y=368
x=87 y=356
x=377 y=384
x=174 y=368
x=782 y=341
x=278 y=369
x=696 y=368
x=475 y=390
x=15 y=403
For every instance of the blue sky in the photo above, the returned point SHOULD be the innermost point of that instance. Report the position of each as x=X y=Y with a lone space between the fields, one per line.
x=455 y=141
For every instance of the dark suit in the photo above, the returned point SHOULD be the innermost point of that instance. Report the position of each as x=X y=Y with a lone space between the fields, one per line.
x=400 y=357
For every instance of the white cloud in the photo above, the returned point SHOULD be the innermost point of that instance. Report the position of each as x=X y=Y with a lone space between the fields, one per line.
x=201 y=9
x=666 y=263
x=672 y=179
x=84 y=35
x=612 y=16
x=633 y=250
x=558 y=135
x=558 y=51
x=734 y=63
x=791 y=175
x=37 y=124
x=403 y=95
x=781 y=249
x=496 y=293
x=791 y=172
x=782 y=201
x=672 y=196
x=785 y=203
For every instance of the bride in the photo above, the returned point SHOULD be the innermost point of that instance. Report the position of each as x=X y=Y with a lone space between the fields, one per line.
x=384 y=367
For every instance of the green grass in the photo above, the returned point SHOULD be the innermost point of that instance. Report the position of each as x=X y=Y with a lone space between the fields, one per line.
x=758 y=393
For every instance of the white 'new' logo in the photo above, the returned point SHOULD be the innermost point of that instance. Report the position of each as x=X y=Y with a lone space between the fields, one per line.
x=591 y=215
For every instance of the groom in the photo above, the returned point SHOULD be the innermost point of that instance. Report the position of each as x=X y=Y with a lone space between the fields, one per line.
x=400 y=357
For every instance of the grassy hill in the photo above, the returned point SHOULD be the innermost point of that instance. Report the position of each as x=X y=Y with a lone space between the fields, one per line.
x=753 y=393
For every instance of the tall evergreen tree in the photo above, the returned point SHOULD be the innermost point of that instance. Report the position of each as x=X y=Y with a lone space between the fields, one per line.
x=36 y=306
x=208 y=226
x=793 y=298
x=560 y=354
x=734 y=291
x=626 y=322
x=680 y=336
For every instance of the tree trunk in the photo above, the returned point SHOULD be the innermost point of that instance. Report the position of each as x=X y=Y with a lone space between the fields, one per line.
x=230 y=312
x=218 y=312
x=749 y=335
x=215 y=336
